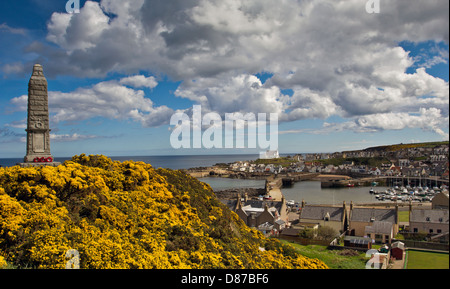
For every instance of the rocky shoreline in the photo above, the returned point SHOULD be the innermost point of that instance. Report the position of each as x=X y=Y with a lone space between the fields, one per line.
x=233 y=193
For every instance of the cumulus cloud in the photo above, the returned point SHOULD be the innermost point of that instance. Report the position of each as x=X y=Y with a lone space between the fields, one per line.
x=337 y=59
x=139 y=81
x=108 y=99
x=240 y=93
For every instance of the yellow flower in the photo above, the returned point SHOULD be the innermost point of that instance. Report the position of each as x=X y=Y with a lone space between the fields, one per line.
x=3 y=263
x=125 y=215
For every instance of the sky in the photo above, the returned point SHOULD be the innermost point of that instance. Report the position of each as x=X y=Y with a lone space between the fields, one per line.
x=339 y=78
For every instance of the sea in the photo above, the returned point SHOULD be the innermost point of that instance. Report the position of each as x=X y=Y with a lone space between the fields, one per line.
x=168 y=162
x=310 y=192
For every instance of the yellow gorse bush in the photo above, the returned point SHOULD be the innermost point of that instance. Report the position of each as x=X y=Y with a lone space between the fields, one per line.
x=126 y=215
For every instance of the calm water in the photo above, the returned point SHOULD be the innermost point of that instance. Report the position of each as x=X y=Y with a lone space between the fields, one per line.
x=220 y=184
x=170 y=162
x=311 y=192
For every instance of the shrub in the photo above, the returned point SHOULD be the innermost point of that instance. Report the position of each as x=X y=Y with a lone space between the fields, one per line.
x=126 y=215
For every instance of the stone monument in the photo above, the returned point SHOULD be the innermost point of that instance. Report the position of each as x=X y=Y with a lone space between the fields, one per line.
x=38 y=128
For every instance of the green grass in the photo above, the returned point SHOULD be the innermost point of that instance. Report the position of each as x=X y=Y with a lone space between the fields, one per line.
x=403 y=216
x=333 y=258
x=427 y=260
x=284 y=162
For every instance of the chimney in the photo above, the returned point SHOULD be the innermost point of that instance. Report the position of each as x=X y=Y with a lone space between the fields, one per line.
x=396 y=213
x=239 y=203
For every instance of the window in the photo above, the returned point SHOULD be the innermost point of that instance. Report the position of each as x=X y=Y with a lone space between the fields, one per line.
x=431 y=231
x=439 y=231
x=416 y=230
x=428 y=219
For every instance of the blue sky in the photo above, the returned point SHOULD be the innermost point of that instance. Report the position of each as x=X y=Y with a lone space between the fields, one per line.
x=338 y=77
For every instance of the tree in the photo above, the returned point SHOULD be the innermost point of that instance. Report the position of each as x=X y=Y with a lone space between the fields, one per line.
x=327 y=233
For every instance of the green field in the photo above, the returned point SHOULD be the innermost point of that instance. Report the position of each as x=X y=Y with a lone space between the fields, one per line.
x=335 y=259
x=403 y=216
x=427 y=260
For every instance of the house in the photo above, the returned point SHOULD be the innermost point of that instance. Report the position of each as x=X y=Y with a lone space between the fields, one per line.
x=266 y=228
x=334 y=217
x=375 y=172
x=432 y=222
x=255 y=213
x=397 y=250
x=440 y=201
x=380 y=232
x=379 y=224
x=280 y=225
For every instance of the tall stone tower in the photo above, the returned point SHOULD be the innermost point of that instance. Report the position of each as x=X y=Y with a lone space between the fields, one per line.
x=38 y=128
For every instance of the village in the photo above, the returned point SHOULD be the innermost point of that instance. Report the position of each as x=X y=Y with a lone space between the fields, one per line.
x=385 y=231
x=392 y=228
x=407 y=162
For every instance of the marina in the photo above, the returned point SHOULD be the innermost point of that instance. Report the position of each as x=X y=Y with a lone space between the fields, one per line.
x=407 y=194
x=313 y=193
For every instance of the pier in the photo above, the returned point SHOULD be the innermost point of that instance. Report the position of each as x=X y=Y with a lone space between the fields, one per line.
x=273 y=188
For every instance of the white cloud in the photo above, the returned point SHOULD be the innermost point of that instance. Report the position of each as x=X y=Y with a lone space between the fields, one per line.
x=139 y=81
x=109 y=99
x=338 y=60
x=240 y=93
x=7 y=28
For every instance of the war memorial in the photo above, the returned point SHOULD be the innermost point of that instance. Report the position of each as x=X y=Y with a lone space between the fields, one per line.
x=38 y=122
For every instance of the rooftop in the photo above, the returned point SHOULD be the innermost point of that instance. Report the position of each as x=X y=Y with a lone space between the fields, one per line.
x=372 y=215
x=319 y=213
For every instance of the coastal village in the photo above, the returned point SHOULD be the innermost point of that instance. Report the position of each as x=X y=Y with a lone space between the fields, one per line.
x=412 y=161
x=414 y=214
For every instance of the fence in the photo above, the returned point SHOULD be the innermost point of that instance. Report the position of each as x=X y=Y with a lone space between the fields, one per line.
x=424 y=245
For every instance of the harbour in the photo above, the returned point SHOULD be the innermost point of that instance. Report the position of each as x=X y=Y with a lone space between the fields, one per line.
x=312 y=192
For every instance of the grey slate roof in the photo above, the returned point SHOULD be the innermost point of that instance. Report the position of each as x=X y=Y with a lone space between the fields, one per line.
x=319 y=213
x=429 y=216
x=380 y=228
x=370 y=214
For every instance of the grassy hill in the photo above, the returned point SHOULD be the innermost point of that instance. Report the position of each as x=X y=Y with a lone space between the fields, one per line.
x=126 y=215
x=398 y=147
